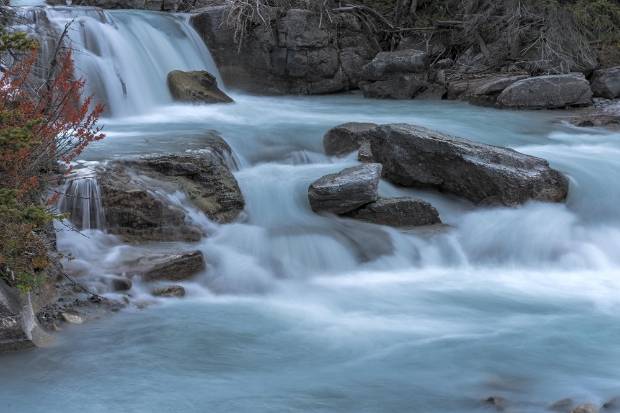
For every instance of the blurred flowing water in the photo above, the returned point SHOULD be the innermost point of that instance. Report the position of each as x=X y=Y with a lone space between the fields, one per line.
x=304 y=313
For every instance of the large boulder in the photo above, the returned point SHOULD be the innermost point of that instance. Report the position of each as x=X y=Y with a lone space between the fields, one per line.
x=399 y=86
x=418 y=157
x=298 y=52
x=197 y=86
x=400 y=61
x=346 y=190
x=398 y=212
x=169 y=267
x=137 y=211
x=12 y=334
x=346 y=138
x=547 y=92
x=606 y=83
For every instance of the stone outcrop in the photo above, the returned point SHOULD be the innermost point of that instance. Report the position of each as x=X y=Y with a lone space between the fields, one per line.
x=196 y=87
x=346 y=138
x=399 y=74
x=135 y=210
x=418 y=157
x=293 y=54
x=606 y=83
x=169 y=267
x=346 y=190
x=398 y=212
x=547 y=92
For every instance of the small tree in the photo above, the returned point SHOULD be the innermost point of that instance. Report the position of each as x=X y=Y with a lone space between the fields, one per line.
x=42 y=122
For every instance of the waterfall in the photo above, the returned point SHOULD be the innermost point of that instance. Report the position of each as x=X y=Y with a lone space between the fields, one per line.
x=81 y=199
x=125 y=56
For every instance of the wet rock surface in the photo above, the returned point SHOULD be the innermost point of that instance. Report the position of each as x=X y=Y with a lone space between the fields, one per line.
x=196 y=87
x=418 y=157
x=346 y=138
x=398 y=212
x=346 y=190
x=169 y=267
x=169 y=291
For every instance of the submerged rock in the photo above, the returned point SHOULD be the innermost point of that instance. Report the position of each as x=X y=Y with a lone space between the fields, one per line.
x=547 y=92
x=197 y=86
x=418 y=157
x=170 y=267
x=346 y=138
x=346 y=190
x=72 y=317
x=169 y=291
x=564 y=405
x=398 y=212
x=585 y=408
x=121 y=284
x=606 y=83
x=597 y=120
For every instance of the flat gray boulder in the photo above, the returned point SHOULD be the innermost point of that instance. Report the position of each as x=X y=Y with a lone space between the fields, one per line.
x=547 y=92
x=346 y=138
x=197 y=86
x=346 y=190
x=398 y=212
x=606 y=83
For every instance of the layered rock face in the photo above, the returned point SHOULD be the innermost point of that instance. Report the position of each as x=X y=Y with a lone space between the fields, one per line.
x=293 y=54
x=418 y=157
x=197 y=87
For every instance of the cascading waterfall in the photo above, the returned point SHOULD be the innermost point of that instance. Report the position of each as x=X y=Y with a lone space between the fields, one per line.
x=125 y=56
x=81 y=198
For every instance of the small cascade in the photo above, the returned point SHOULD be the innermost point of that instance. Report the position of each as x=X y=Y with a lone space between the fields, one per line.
x=125 y=56
x=82 y=201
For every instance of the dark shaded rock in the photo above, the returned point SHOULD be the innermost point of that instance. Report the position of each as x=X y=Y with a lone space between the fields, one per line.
x=136 y=213
x=346 y=138
x=479 y=89
x=170 y=291
x=198 y=86
x=547 y=92
x=121 y=284
x=585 y=408
x=170 y=267
x=346 y=190
x=564 y=405
x=418 y=157
x=399 y=86
x=365 y=153
x=496 y=85
x=612 y=404
x=400 y=61
x=606 y=83
x=398 y=212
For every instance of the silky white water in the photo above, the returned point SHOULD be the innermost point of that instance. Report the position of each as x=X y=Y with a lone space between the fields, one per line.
x=303 y=313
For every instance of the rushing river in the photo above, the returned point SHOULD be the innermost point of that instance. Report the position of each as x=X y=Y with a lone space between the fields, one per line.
x=304 y=313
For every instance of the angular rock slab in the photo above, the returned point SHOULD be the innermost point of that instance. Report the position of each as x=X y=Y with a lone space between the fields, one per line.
x=547 y=92
x=346 y=190
x=346 y=138
x=171 y=267
x=606 y=83
x=197 y=86
x=418 y=157
x=400 y=61
x=398 y=212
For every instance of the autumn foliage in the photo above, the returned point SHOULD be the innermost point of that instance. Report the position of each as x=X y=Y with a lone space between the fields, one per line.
x=43 y=122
